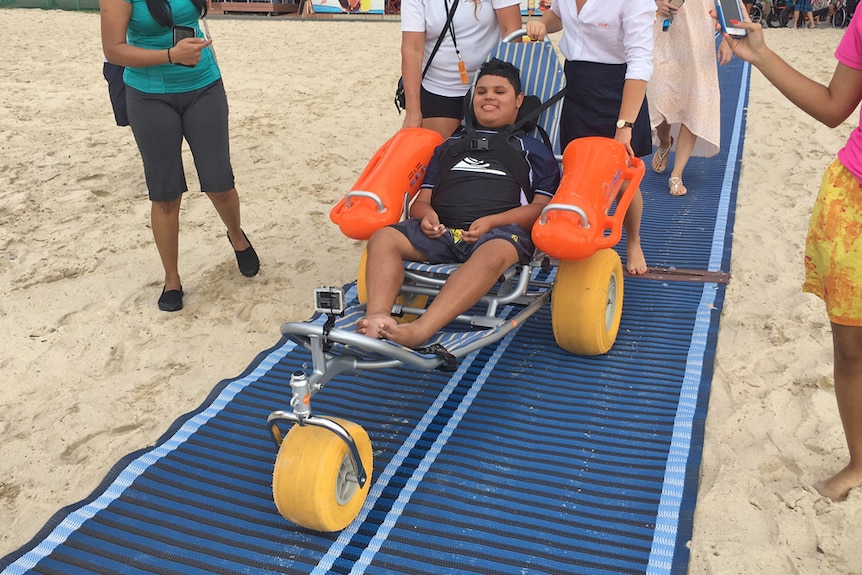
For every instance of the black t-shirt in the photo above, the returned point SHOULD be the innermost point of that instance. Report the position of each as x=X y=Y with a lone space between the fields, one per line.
x=478 y=185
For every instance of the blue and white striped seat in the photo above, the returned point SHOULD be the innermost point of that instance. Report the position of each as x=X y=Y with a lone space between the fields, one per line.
x=542 y=76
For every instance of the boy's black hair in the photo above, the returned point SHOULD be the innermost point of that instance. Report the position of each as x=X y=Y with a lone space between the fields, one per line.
x=507 y=70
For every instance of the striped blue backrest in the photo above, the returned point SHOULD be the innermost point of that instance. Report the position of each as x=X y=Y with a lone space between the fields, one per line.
x=541 y=75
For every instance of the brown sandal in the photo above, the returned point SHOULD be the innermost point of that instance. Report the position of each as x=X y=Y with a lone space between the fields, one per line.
x=659 y=159
x=675 y=187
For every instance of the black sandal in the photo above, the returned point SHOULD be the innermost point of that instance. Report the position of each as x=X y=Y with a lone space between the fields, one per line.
x=171 y=300
x=247 y=259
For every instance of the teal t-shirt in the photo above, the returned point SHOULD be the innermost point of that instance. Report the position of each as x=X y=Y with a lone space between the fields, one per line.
x=145 y=32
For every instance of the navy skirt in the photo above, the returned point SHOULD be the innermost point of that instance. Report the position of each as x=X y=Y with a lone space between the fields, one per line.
x=591 y=106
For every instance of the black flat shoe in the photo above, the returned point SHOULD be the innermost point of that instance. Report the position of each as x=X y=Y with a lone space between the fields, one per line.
x=171 y=300
x=247 y=259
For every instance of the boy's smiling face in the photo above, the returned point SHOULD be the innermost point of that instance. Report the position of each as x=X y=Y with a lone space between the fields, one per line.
x=495 y=102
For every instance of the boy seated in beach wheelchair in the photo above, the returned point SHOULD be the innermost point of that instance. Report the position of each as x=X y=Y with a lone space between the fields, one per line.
x=481 y=195
x=507 y=191
x=323 y=469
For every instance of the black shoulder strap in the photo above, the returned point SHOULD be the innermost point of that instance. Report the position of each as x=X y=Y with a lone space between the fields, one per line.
x=526 y=121
x=447 y=26
x=530 y=111
x=473 y=142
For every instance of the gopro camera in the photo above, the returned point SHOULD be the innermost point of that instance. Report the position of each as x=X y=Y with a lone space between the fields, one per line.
x=329 y=300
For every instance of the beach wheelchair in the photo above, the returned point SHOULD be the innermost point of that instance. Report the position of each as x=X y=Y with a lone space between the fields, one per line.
x=843 y=11
x=322 y=472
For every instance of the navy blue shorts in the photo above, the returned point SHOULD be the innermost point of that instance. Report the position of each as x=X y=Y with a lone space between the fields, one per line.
x=161 y=121
x=445 y=250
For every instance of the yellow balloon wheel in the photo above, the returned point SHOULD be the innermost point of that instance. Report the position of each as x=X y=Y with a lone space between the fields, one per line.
x=314 y=484
x=587 y=303
x=412 y=300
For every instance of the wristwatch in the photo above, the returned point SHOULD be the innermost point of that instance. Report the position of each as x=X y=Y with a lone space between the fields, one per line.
x=623 y=124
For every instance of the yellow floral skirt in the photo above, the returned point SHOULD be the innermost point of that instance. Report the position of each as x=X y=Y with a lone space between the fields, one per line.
x=833 y=250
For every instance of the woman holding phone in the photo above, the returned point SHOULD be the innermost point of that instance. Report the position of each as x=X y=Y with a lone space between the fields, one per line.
x=684 y=100
x=608 y=47
x=174 y=91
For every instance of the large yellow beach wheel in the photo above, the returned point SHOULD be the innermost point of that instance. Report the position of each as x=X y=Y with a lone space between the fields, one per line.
x=412 y=300
x=314 y=484
x=587 y=303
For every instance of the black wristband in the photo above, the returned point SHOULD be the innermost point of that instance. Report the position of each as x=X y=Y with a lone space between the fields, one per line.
x=169 y=57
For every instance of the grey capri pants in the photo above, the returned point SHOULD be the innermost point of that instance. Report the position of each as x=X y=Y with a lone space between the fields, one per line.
x=161 y=121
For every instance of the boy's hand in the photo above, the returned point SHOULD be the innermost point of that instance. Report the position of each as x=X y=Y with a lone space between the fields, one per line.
x=477 y=229
x=431 y=225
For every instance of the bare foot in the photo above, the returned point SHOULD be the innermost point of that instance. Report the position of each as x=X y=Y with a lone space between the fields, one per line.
x=371 y=325
x=839 y=485
x=635 y=259
x=407 y=334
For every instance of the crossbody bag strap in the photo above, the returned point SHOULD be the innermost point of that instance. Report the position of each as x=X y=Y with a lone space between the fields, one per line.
x=449 y=15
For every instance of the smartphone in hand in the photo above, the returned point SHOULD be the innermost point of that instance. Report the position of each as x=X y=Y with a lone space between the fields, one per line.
x=676 y=3
x=181 y=32
x=727 y=10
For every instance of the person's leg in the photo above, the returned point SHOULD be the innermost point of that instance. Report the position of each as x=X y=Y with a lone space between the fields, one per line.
x=157 y=127
x=660 y=158
x=847 y=351
x=683 y=153
x=165 y=218
x=206 y=130
x=387 y=249
x=635 y=259
x=227 y=206
x=811 y=20
x=461 y=291
x=684 y=146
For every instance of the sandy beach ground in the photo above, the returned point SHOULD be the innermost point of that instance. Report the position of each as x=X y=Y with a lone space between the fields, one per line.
x=93 y=371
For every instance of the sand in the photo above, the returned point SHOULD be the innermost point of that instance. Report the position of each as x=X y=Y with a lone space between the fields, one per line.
x=93 y=371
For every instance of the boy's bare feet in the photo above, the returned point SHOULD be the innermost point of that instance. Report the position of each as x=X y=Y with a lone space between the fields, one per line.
x=839 y=485
x=371 y=325
x=407 y=334
x=635 y=259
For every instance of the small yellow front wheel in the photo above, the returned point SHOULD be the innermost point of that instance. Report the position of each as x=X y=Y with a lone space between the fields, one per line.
x=314 y=484
x=411 y=300
x=587 y=303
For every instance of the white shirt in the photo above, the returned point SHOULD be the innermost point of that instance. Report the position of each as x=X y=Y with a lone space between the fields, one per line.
x=609 y=32
x=477 y=32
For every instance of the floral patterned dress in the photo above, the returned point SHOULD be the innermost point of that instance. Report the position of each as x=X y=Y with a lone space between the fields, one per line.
x=684 y=84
